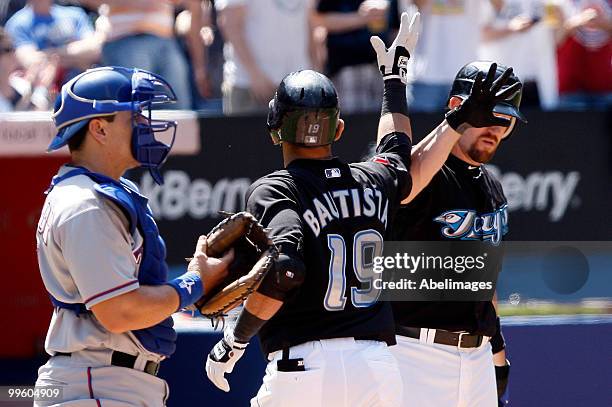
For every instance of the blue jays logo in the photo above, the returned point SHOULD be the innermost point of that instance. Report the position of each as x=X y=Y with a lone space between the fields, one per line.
x=467 y=224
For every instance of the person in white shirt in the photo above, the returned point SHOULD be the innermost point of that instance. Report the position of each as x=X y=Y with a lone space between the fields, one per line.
x=449 y=40
x=513 y=31
x=264 y=41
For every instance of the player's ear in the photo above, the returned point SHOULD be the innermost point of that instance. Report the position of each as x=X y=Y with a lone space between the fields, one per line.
x=454 y=102
x=339 y=129
x=97 y=128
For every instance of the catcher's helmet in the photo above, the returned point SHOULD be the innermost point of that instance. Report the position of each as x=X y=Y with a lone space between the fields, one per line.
x=462 y=85
x=105 y=91
x=304 y=110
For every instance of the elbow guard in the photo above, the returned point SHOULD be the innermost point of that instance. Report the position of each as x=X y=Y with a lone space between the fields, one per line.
x=287 y=274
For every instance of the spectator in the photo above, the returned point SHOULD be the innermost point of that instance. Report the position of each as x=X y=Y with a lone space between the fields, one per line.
x=198 y=35
x=585 y=54
x=8 y=65
x=450 y=38
x=512 y=33
x=140 y=34
x=265 y=40
x=43 y=32
x=351 y=61
x=16 y=89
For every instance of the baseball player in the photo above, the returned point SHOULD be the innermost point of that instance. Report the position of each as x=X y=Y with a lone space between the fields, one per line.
x=319 y=322
x=444 y=348
x=100 y=254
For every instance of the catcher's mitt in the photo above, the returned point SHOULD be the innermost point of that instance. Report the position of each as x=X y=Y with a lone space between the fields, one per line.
x=254 y=255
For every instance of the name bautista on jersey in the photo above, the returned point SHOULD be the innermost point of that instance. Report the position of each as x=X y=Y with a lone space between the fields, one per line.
x=345 y=203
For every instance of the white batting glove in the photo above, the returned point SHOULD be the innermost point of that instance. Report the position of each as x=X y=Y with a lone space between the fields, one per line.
x=393 y=61
x=222 y=359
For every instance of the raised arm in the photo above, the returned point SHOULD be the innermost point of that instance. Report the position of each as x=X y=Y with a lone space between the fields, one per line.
x=429 y=155
x=393 y=62
x=476 y=110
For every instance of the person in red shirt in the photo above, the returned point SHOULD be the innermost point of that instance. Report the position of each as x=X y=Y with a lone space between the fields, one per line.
x=584 y=54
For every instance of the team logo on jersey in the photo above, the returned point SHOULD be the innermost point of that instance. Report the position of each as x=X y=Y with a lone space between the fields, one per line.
x=465 y=224
x=333 y=173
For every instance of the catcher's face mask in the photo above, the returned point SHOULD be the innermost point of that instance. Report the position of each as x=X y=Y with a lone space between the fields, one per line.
x=152 y=139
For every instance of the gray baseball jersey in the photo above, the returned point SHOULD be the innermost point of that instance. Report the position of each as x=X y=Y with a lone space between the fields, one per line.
x=86 y=255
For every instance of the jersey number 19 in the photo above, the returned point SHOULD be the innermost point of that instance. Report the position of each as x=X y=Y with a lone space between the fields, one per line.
x=367 y=244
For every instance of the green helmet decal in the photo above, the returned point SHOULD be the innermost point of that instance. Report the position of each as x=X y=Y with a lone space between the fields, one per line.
x=311 y=127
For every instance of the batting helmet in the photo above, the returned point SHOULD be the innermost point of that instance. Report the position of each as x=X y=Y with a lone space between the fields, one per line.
x=304 y=110
x=105 y=91
x=462 y=86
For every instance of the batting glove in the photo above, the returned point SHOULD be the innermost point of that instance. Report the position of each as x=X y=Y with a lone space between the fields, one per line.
x=477 y=109
x=222 y=359
x=393 y=61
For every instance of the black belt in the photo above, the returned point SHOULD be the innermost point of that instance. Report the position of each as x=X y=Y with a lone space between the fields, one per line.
x=459 y=339
x=286 y=364
x=126 y=360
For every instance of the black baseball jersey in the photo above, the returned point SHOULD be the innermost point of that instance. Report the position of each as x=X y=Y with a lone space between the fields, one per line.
x=333 y=217
x=464 y=203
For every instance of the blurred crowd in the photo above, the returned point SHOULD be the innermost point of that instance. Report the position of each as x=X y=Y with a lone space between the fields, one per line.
x=229 y=55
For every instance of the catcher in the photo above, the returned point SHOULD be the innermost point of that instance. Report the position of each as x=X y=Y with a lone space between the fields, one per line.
x=100 y=254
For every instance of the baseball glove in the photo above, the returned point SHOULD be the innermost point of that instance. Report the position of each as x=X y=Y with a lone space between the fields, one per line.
x=254 y=255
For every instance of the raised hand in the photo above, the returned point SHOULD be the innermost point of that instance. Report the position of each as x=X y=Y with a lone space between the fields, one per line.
x=477 y=109
x=393 y=61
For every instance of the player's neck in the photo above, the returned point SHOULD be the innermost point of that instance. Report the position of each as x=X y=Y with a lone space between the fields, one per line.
x=99 y=164
x=457 y=152
x=292 y=152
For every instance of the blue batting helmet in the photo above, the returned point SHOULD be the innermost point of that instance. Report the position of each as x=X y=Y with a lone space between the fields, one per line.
x=105 y=91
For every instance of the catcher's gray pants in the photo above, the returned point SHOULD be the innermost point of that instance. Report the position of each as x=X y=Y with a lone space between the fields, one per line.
x=437 y=375
x=87 y=384
x=341 y=372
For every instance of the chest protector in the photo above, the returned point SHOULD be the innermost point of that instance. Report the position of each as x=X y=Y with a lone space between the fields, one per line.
x=160 y=338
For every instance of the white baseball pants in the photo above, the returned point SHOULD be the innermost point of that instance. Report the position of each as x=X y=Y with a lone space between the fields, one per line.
x=341 y=372
x=435 y=375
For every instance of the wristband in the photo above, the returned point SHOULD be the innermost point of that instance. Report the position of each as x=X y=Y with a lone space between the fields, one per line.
x=189 y=287
x=456 y=120
x=394 y=98
x=247 y=326
x=502 y=374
